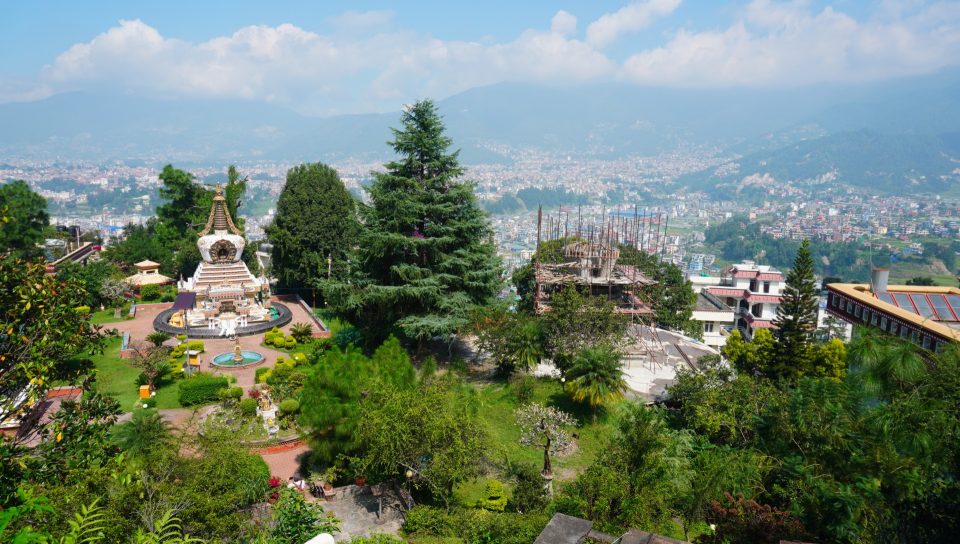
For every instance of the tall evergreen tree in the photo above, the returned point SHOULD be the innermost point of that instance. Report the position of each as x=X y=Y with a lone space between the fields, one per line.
x=426 y=254
x=796 y=319
x=316 y=220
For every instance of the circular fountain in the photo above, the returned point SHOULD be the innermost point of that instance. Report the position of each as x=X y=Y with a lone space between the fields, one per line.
x=238 y=358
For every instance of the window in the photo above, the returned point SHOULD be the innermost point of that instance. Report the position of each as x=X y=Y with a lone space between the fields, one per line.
x=883 y=323
x=753 y=286
x=904 y=332
x=834 y=301
x=927 y=342
x=766 y=287
x=875 y=319
x=858 y=311
x=708 y=326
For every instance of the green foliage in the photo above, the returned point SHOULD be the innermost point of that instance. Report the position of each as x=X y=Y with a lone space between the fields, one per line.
x=495 y=499
x=289 y=406
x=150 y=293
x=796 y=319
x=474 y=526
x=742 y=520
x=523 y=386
x=331 y=396
x=24 y=218
x=753 y=358
x=431 y=430
x=301 y=332
x=157 y=338
x=529 y=495
x=289 y=342
x=426 y=254
x=295 y=520
x=143 y=434
x=258 y=374
x=575 y=322
x=672 y=297
x=39 y=331
x=196 y=345
x=149 y=402
x=248 y=407
x=278 y=341
x=201 y=388
x=92 y=276
x=315 y=221
x=514 y=341
x=596 y=377
x=231 y=393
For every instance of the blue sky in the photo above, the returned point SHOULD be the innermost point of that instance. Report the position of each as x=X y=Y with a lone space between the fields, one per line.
x=325 y=57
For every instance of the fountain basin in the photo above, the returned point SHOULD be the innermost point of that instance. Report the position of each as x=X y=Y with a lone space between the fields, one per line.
x=227 y=359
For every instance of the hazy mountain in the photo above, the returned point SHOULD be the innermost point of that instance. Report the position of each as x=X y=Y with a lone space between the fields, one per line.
x=790 y=134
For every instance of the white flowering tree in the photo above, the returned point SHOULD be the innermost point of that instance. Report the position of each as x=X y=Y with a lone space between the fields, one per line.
x=544 y=427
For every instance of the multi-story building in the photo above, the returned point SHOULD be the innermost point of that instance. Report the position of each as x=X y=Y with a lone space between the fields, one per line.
x=716 y=317
x=754 y=293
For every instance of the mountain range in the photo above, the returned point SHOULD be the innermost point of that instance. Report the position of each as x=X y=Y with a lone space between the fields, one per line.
x=894 y=136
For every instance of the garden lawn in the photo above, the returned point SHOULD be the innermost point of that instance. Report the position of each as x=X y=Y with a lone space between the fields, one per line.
x=117 y=378
x=497 y=406
x=102 y=317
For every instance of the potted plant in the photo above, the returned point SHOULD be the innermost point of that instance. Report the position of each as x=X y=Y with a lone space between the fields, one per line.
x=329 y=476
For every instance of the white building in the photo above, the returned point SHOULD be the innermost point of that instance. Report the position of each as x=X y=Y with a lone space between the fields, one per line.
x=716 y=317
x=754 y=293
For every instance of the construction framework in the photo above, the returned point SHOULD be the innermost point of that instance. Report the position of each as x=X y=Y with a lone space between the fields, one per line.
x=590 y=253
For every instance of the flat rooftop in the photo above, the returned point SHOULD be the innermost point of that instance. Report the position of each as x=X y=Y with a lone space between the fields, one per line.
x=934 y=308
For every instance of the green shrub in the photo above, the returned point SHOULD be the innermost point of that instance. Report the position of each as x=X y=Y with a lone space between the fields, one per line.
x=231 y=393
x=289 y=406
x=248 y=407
x=258 y=373
x=278 y=341
x=523 y=387
x=201 y=388
x=84 y=310
x=181 y=337
x=141 y=379
x=496 y=499
x=475 y=525
x=150 y=293
x=196 y=345
x=290 y=342
x=279 y=374
x=149 y=402
x=302 y=332
x=168 y=296
x=298 y=359
x=268 y=337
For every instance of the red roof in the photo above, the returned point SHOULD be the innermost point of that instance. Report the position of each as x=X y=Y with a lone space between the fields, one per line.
x=762 y=298
x=770 y=276
x=726 y=292
x=744 y=273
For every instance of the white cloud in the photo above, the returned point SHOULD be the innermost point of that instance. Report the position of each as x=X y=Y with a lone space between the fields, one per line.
x=636 y=16
x=311 y=71
x=377 y=66
x=783 y=44
x=563 y=23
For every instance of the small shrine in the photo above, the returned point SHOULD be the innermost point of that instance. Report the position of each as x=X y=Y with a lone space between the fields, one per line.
x=148 y=273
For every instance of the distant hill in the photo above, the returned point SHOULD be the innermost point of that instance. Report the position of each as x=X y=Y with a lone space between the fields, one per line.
x=892 y=136
x=887 y=163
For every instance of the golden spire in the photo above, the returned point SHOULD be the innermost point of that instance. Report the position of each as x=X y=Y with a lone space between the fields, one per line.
x=219 y=219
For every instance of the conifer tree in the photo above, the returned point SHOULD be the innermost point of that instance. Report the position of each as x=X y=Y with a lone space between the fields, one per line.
x=796 y=319
x=426 y=255
x=316 y=221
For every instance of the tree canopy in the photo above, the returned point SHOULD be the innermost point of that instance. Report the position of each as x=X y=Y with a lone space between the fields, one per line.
x=23 y=215
x=426 y=255
x=315 y=221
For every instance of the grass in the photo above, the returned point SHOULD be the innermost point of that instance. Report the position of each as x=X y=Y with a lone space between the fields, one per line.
x=103 y=317
x=498 y=404
x=117 y=378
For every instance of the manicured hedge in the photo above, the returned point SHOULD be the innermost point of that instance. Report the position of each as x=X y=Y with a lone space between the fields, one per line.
x=200 y=389
x=289 y=406
x=150 y=292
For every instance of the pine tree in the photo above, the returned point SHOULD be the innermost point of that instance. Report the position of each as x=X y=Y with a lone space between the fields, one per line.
x=426 y=255
x=796 y=319
x=316 y=220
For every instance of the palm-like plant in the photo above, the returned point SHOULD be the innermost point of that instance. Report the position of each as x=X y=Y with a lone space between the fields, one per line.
x=146 y=432
x=301 y=332
x=596 y=376
x=526 y=344
x=167 y=531
x=157 y=338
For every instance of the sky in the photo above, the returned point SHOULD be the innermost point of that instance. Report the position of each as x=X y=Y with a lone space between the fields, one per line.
x=322 y=58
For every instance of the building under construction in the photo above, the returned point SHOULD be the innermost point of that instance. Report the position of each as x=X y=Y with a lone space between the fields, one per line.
x=590 y=262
